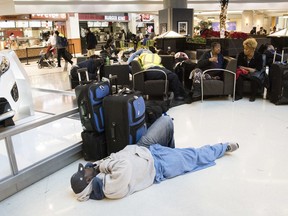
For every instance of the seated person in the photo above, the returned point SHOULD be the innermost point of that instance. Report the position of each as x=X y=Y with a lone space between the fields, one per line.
x=250 y=62
x=152 y=160
x=209 y=60
x=151 y=60
x=146 y=38
x=262 y=31
x=110 y=50
x=183 y=67
x=92 y=64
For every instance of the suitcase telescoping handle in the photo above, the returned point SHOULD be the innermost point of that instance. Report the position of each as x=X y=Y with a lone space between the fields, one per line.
x=83 y=70
x=282 y=54
x=113 y=79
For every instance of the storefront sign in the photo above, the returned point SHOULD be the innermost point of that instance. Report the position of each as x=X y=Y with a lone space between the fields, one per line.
x=7 y=24
x=97 y=17
x=97 y=24
x=49 y=16
x=111 y=18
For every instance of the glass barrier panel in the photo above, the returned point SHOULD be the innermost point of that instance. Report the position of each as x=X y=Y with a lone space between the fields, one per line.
x=39 y=143
x=5 y=170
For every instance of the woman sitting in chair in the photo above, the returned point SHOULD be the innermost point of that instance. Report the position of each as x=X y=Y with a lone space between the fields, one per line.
x=209 y=60
x=249 y=67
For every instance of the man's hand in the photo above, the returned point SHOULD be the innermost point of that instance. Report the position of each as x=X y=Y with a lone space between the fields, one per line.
x=213 y=59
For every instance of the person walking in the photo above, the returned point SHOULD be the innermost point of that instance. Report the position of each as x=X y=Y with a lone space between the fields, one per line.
x=61 y=44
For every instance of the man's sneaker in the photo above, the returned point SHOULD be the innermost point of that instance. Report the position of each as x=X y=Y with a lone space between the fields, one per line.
x=232 y=147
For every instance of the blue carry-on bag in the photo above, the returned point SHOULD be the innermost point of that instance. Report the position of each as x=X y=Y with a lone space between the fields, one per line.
x=124 y=115
x=89 y=100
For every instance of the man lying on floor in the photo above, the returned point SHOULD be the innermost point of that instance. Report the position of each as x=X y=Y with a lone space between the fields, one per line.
x=136 y=167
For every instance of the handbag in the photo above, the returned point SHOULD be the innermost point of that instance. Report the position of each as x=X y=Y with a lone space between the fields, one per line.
x=240 y=71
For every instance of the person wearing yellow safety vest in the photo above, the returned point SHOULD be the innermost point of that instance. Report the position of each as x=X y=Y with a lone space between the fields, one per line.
x=153 y=61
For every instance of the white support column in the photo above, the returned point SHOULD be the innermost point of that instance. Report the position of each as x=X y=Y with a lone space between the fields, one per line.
x=72 y=25
x=247 y=21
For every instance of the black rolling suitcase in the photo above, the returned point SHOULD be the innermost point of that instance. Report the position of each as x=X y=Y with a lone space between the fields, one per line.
x=124 y=115
x=89 y=98
x=278 y=79
x=94 y=145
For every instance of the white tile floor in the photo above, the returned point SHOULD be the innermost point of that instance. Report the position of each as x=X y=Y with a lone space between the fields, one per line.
x=253 y=181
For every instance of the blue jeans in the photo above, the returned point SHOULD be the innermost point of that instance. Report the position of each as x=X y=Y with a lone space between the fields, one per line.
x=160 y=132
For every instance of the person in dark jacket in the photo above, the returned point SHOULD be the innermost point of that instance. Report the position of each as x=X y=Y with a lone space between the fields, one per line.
x=61 y=49
x=209 y=60
x=91 y=42
x=251 y=62
x=92 y=64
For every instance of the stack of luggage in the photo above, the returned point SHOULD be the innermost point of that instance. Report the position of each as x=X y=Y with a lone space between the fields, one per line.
x=110 y=122
x=89 y=99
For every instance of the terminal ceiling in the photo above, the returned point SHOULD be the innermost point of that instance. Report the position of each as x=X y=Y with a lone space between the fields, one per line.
x=10 y=7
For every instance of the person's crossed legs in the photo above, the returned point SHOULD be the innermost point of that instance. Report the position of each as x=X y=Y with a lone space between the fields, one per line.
x=160 y=132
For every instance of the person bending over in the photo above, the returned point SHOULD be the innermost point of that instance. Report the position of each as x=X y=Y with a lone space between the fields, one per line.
x=93 y=63
x=152 y=160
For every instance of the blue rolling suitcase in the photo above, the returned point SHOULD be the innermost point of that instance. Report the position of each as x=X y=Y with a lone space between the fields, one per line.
x=89 y=100
x=124 y=116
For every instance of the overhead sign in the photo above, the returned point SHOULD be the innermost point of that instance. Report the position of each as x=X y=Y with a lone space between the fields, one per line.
x=49 y=16
x=111 y=18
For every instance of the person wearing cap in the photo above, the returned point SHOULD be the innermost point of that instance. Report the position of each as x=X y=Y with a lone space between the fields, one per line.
x=152 y=160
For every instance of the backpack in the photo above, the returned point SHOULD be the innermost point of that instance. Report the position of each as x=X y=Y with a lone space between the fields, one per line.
x=154 y=110
x=63 y=41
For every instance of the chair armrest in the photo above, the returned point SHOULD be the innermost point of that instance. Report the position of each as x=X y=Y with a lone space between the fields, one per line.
x=225 y=71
